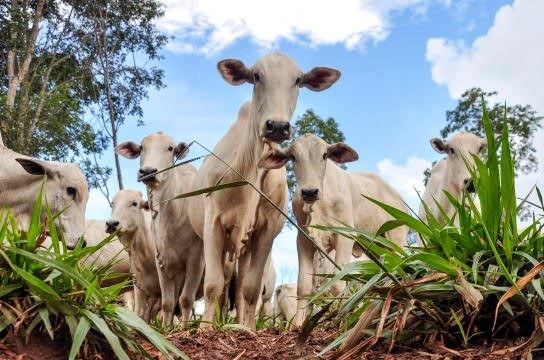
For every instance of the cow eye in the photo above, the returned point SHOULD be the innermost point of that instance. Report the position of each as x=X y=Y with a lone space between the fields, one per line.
x=170 y=148
x=298 y=80
x=256 y=77
x=71 y=192
x=452 y=151
x=134 y=203
x=324 y=156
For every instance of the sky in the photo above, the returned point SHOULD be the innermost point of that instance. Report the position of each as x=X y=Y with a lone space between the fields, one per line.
x=403 y=62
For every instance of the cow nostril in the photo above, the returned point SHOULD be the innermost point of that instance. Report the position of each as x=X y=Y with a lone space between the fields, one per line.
x=286 y=127
x=269 y=125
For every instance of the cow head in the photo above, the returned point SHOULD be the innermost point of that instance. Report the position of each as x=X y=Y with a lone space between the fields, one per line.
x=66 y=190
x=127 y=213
x=276 y=80
x=460 y=149
x=310 y=156
x=156 y=152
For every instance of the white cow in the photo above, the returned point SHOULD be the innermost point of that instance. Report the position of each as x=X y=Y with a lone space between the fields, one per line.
x=66 y=188
x=179 y=250
x=451 y=174
x=328 y=195
x=285 y=302
x=238 y=221
x=131 y=218
x=268 y=285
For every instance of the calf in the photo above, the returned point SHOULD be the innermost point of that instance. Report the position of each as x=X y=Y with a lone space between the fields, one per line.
x=328 y=195
x=131 y=219
x=21 y=178
x=451 y=174
x=285 y=302
x=179 y=256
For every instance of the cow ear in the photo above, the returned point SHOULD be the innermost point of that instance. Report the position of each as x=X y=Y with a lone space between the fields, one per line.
x=234 y=71
x=144 y=204
x=319 y=78
x=274 y=160
x=181 y=150
x=341 y=153
x=439 y=145
x=33 y=166
x=129 y=150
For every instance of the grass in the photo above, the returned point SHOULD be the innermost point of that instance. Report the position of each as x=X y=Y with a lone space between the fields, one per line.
x=474 y=279
x=49 y=290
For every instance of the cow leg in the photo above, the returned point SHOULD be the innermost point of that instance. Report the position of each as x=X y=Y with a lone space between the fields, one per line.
x=306 y=252
x=267 y=307
x=169 y=294
x=214 y=279
x=344 y=248
x=139 y=302
x=243 y=267
x=193 y=274
x=261 y=245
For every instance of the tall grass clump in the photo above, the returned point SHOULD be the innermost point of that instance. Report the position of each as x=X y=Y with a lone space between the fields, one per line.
x=48 y=290
x=475 y=279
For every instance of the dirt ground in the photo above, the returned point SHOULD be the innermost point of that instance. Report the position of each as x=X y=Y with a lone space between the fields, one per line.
x=267 y=344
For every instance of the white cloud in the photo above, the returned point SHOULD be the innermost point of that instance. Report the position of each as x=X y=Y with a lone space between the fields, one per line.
x=208 y=26
x=405 y=178
x=507 y=59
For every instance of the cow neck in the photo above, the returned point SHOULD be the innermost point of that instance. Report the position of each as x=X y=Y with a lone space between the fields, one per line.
x=250 y=149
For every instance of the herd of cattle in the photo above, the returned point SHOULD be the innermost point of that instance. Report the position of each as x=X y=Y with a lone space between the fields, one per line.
x=180 y=250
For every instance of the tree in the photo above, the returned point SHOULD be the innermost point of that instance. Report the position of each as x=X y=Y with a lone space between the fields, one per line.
x=121 y=32
x=310 y=122
x=73 y=74
x=523 y=122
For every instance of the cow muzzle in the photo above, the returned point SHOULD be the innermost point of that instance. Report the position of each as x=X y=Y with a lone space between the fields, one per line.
x=277 y=131
x=147 y=175
x=112 y=226
x=309 y=195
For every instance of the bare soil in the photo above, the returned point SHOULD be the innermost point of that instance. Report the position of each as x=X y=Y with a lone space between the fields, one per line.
x=266 y=344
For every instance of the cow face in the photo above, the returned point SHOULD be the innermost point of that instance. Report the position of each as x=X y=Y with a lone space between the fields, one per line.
x=310 y=156
x=156 y=152
x=276 y=80
x=127 y=214
x=66 y=191
x=460 y=150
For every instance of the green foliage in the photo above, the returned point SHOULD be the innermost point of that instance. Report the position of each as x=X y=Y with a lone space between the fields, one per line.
x=473 y=278
x=523 y=122
x=48 y=289
x=90 y=65
x=309 y=122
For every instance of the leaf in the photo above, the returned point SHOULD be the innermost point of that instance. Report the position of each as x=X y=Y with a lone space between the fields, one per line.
x=208 y=190
x=470 y=294
x=102 y=326
x=520 y=284
x=44 y=315
x=79 y=336
x=6 y=289
x=434 y=261
x=131 y=319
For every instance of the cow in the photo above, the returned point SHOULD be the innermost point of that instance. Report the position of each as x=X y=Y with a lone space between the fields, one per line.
x=451 y=174
x=179 y=255
x=131 y=220
x=329 y=195
x=322 y=266
x=237 y=221
x=285 y=302
x=21 y=178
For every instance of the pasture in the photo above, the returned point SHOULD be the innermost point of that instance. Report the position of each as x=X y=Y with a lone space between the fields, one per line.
x=269 y=232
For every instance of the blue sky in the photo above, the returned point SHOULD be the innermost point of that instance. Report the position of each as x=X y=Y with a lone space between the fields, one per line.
x=403 y=64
